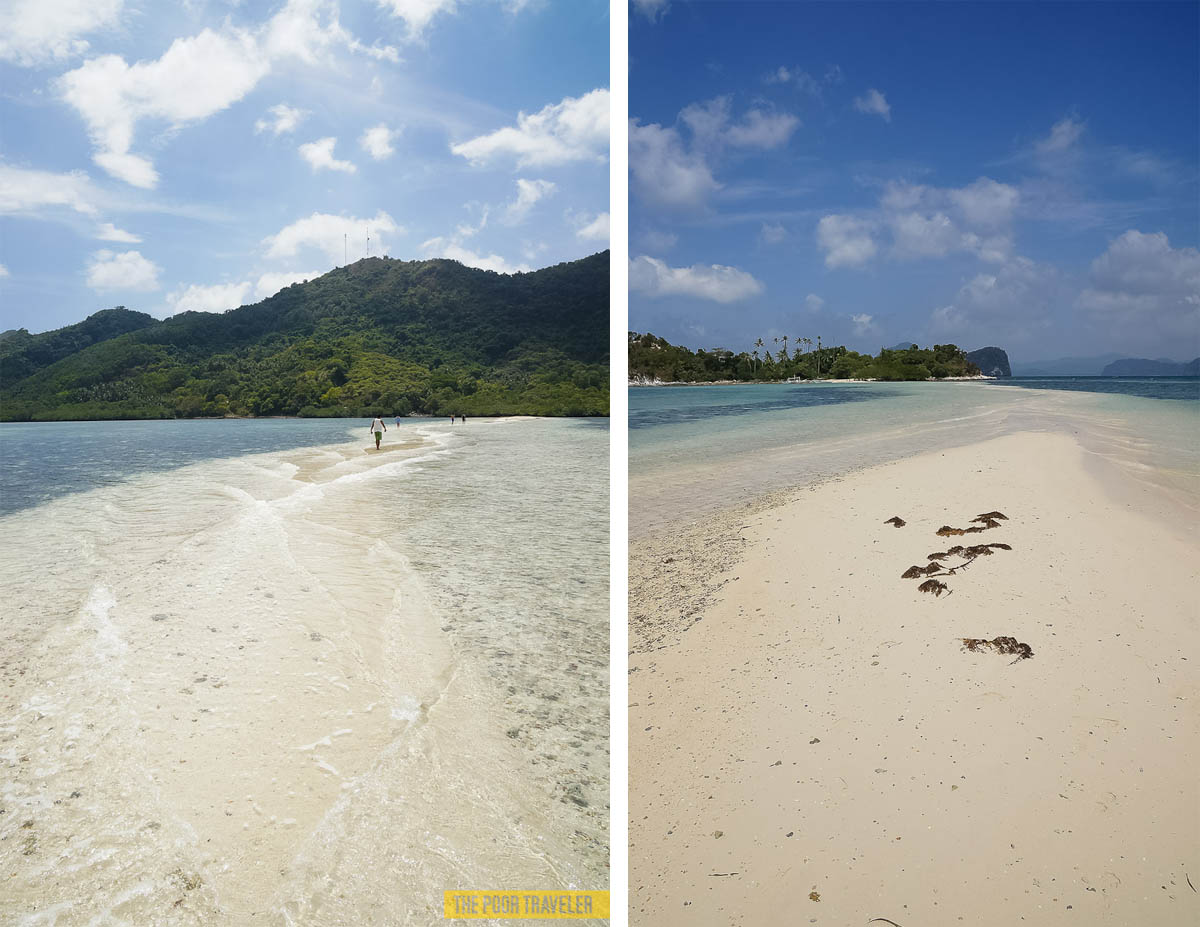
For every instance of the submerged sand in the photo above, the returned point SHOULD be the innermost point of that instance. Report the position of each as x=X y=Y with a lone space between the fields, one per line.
x=811 y=742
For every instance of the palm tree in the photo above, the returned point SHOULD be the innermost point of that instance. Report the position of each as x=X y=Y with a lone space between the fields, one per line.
x=818 y=357
x=785 y=353
x=754 y=354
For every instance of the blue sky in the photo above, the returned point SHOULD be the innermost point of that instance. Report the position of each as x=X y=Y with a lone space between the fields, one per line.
x=204 y=154
x=1012 y=174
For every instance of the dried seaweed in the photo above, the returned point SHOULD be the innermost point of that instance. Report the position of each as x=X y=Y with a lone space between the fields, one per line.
x=913 y=572
x=999 y=515
x=940 y=555
x=946 y=531
x=897 y=521
x=979 y=550
x=1008 y=646
x=956 y=549
x=932 y=585
x=999 y=546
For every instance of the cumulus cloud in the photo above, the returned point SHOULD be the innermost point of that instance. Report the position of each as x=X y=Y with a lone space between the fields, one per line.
x=39 y=32
x=377 y=141
x=456 y=251
x=216 y=298
x=595 y=230
x=813 y=302
x=31 y=192
x=713 y=128
x=652 y=9
x=934 y=221
x=319 y=154
x=663 y=172
x=875 y=103
x=575 y=129
x=804 y=81
x=529 y=192
x=128 y=270
x=1146 y=292
x=1063 y=136
x=272 y=282
x=324 y=233
x=3 y=272
x=109 y=232
x=846 y=240
x=195 y=78
x=1010 y=304
x=417 y=14
x=284 y=118
x=864 y=323
x=716 y=282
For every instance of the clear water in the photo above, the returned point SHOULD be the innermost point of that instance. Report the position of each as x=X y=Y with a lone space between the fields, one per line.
x=694 y=450
x=312 y=685
x=1184 y=388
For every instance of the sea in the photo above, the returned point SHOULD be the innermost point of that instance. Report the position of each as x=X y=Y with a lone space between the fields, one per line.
x=694 y=450
x=255 y=672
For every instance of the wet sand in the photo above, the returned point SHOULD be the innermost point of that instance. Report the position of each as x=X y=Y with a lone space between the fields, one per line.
x=811 y=742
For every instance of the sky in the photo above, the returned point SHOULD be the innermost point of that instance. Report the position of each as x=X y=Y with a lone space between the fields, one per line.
x=207 y=153
x=1012 y=174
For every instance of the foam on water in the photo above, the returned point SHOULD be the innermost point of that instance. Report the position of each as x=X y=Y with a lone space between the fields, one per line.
x=282 y=687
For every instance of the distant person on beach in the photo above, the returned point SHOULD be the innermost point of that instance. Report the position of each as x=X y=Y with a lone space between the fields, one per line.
x=451 y=419
x=379 y=428
x=397 y=421
x=464 y=419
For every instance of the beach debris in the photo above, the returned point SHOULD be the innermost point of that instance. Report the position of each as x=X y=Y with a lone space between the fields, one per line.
x=913 y=572
x=987 y=515
x=979 y=550
x=939 y=555
x=897 y=521
x=999 y=546
x=814 y=896
x=884 y=919
x=1005 y=645
x=946 y=531
x=932 y=585
x=718 y=834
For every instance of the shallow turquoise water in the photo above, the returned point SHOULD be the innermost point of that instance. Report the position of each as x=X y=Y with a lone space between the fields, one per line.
x=693 y=450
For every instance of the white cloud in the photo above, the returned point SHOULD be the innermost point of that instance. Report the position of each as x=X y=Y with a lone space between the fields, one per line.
x=216 y=298
x=324 y=232
x=284 y=118
x=712 y=128
x=194 y=78
x=596 y=230
x=1010 y=304
x=27 y=192
x=813 y=302
x=875 y=103
x=377 y=141
x=1146 y=292
x=717 y=282
x=109 y=232
x=271 y=283
x=664 y=173
x=574 y=130
x=772 y=234
x=933 y=221
x=658 y=240
x=450 y=248
x=37 y=32
x=319 y=154
x=417 y=14
x=529 y=192
x=3 y=272
x=846 y=240
x=864 y=323
x=1063 y=136
x=762 y=130
x=804 y=81
x=652 y=9
x=126 y=271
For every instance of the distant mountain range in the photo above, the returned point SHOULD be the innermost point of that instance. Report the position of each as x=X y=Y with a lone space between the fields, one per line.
x=1140 y=367
x=376 y=337
x=1103 y=365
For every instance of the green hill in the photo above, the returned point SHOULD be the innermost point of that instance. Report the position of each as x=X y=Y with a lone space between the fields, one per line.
x=393 y=337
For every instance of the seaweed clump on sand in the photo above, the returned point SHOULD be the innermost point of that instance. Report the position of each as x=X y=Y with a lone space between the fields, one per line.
x=987 y=516
x=1009 y=646
x=932 y=585
x=932 y=569
x=897 y=521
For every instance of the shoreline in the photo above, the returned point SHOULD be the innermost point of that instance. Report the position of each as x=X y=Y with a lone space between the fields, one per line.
x=777 y=658
x=647 y=381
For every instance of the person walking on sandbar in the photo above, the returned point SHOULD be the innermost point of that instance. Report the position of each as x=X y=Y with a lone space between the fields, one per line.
x=379 y=428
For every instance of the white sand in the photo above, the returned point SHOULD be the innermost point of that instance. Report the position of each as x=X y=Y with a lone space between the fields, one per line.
x=804 y=720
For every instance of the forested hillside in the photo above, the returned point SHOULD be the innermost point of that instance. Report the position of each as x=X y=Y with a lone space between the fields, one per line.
x=378 y=336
